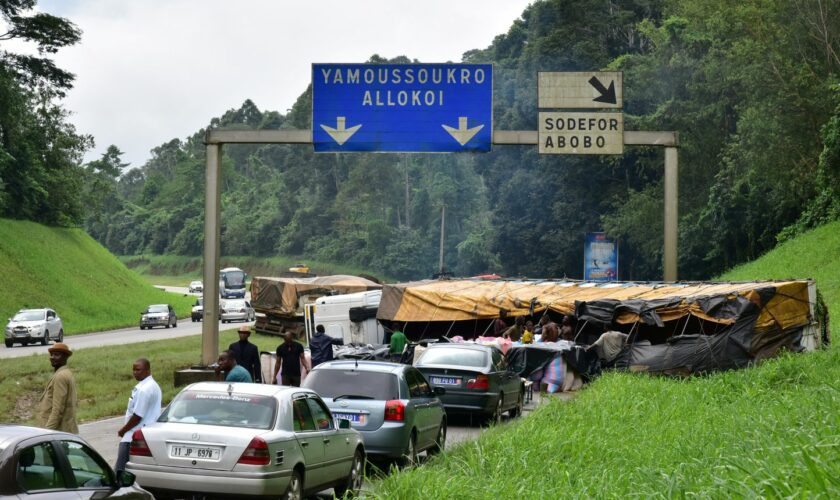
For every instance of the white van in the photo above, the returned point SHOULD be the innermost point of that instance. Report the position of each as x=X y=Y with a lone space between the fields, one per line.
x=350 y=317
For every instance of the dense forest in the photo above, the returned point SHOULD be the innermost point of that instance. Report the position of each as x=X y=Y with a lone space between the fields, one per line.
x=752 y=88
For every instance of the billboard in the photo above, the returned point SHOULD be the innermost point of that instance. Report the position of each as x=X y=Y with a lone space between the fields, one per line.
x=600 y=258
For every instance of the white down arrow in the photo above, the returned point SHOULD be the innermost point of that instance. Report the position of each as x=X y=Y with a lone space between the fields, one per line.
x=462 y=134
x=339 y=133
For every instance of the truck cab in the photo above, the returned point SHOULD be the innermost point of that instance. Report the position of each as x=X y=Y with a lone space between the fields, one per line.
x=350 y=317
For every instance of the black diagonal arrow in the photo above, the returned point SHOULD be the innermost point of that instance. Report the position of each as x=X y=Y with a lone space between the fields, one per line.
x=607 y=95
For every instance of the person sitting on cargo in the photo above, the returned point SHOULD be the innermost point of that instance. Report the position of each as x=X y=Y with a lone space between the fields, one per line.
x=528 y=333
x=550 y=332
x=232 y=371
x=398 y=341
x=514 y=333
x=567 y=332
x=290 y=359
x=320 y=345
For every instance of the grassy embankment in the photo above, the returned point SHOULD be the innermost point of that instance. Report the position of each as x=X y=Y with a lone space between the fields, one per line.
x=103 y=375
x=178 y=270
x=769 y=431
x=67 y=270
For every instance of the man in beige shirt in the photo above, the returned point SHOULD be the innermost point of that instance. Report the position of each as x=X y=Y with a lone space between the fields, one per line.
x=57 y=408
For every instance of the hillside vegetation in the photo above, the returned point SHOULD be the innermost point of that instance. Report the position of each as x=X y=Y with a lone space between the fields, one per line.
x=67 y=270
x=768 y=431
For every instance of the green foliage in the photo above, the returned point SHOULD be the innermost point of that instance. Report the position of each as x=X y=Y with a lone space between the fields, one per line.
x=67 y=270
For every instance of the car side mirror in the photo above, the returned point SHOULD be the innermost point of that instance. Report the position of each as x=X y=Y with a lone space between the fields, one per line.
x=343 y=424
x=439 y=391
x=125 y=479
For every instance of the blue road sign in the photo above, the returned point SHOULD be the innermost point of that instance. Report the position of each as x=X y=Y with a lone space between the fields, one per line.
x=420 y=108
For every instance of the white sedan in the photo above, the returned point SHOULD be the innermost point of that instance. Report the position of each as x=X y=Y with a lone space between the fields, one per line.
x=196 y=287
x=237 y=310
x=247 y=440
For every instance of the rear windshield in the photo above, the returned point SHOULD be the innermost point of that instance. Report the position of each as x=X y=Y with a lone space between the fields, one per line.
x=453 y=356
x=353 y=384
x=220 y=408
x=235 y=304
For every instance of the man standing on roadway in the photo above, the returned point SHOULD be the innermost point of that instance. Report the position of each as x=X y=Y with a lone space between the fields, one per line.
x=143 y=408
x=232 y=371
x=57 y=408
x=320 y=345
x=398 y=341
x=247 y=355
x=290 y=359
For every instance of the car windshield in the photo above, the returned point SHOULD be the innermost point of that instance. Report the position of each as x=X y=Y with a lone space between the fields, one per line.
x=221 y=408
x=195 y=283
x=353 y=384
x=157 y=309
x=453 y=356
x=235 y=304
x=199 y=302
x=30 y=315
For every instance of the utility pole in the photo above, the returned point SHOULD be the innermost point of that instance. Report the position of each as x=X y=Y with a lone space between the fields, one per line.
x=442 y=223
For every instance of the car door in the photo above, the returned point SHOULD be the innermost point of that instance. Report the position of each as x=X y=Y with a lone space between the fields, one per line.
x=420 y=395
x=337 y=448
x=39 y=473
x=310 y=440
x=508 y=382
x=91 y=475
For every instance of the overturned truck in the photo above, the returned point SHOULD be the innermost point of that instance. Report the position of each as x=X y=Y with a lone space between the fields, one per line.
x=280 y=302
x=672 y=328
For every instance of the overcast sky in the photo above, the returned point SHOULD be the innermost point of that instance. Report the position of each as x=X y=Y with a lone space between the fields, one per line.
x=148 y=71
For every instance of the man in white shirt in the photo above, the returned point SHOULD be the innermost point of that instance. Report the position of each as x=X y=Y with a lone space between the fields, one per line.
x=143 y=408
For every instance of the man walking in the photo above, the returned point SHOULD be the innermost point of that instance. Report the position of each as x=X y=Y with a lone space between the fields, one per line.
x=247 y=355
x=233 y=372
x=320 y=345
x=290 y=358
x=143 y=408
x=57 y=408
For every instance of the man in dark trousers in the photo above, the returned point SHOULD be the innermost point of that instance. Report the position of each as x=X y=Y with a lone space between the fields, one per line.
x=247 y=355
x=320 y=345
x=290 y=359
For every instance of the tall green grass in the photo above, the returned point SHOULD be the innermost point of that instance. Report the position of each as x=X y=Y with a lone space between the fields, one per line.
x=767 y=431
x=67 y=270
x=179 y=270
x=103 y=374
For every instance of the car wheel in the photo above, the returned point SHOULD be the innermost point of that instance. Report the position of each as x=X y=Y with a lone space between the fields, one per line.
x=61 y=335
x=409 y=459
x=175 y=325
x=45 y=338
x=354 y=480
x=295 y=490
x=516 y=411
x=9 y=344
x=495 y=418
x=440 y=440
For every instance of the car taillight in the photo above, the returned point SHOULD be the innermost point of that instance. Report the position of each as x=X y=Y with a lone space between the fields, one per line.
x=480 y=382
x=256 y=453
x=138 y=446
x=394 y=410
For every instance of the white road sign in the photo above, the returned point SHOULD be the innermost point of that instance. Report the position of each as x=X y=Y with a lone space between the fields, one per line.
x=581 y=133
x=580 y=90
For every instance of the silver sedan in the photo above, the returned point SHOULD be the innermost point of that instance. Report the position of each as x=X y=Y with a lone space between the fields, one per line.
x=47 y=464
x=247 y=440
x=237 y=310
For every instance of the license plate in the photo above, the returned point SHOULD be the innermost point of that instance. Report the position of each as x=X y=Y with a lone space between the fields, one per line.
x=356 y=418
x=198 y=452
x=446 y=380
